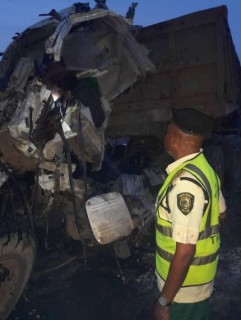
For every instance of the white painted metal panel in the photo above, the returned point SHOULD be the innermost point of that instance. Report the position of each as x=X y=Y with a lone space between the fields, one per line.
x=109 y=217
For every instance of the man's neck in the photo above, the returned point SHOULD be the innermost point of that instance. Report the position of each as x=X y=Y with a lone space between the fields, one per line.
x=183 y=153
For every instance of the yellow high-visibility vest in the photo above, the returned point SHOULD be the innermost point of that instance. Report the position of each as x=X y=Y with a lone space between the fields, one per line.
x=204 y=265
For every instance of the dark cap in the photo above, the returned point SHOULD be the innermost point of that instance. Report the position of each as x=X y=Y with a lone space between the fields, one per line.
x=192 y=121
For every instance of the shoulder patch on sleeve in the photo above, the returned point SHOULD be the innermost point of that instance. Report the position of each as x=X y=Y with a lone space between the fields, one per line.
x=185 y=202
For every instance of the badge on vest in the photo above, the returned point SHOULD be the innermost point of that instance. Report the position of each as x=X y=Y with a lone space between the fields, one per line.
x=185 y=202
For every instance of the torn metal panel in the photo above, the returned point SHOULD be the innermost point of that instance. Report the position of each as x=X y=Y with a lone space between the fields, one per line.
x=29 y=44
x=51 y=148
x=47 y=181
x=36 y=95
x=26 y=115
x=21 y=73
x=111 y=55
x=18 y=79
x=54 y=43
x=92 y=140
x=12 y=157
x=111 y=49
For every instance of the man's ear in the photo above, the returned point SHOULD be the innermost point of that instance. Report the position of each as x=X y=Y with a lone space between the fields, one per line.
x=176 y=138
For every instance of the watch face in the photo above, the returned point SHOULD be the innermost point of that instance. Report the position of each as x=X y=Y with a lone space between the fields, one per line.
x=163 y=301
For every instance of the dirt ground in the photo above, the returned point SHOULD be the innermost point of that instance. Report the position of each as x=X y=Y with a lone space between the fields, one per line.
x=105 y=289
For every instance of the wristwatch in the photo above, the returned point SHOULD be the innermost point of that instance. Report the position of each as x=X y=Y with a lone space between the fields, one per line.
x=163 y=301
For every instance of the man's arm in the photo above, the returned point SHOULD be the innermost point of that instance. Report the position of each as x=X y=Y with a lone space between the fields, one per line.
x=222 y=207
x=179 y=267
x=180 y=264
x=222 y=215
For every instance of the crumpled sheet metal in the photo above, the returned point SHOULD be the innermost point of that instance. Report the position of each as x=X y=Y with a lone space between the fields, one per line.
x=12 y=157
x=114 y=58
x=47 y=181
x=123 y=56
x=54 y=43
x=19 y=77
x=19 y=126
x=22 y=73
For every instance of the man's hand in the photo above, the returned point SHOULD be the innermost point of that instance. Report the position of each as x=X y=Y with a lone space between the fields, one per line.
x=160 y=313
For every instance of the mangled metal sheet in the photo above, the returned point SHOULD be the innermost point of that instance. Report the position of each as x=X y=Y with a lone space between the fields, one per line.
x=97 y=46
x=60 y=176
x=109 y=52
x=12 y=158
x=100 y=47
x=26 y=115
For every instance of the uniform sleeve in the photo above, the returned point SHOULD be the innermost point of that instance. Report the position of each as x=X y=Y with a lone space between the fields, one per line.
x=186 y=202
x=222 y=203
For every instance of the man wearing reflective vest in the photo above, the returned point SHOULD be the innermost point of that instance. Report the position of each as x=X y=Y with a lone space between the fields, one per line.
x=189 y=207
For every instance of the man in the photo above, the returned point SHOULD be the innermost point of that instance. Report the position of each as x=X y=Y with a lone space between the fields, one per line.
x=188 y=209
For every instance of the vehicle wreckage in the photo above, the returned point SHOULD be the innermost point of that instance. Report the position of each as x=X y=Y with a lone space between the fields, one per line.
x=85 y=97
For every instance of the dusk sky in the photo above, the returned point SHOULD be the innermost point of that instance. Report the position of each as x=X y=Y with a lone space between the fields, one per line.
x=17 y=15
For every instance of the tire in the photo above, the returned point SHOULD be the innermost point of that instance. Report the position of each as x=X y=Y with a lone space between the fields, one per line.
x=17 y=254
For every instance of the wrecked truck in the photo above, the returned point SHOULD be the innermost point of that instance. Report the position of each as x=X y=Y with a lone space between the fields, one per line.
x=85 y=98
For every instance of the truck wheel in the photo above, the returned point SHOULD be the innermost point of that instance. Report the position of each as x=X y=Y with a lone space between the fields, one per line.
x=17 y=253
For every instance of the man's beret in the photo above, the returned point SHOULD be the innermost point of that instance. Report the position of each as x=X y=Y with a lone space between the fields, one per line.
x=192 y=121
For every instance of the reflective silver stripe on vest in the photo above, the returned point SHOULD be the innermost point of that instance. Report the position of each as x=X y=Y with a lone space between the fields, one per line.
x=198 y=261
x=211 y=231
x=166 y=231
